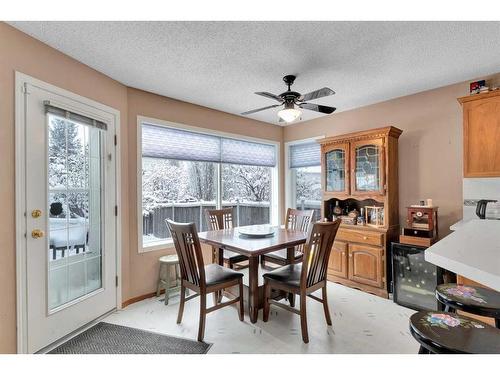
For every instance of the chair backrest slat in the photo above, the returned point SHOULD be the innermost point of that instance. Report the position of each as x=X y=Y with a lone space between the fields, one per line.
x=220 y=219
x=299 y=220
x=188 y=248
x=317 y=252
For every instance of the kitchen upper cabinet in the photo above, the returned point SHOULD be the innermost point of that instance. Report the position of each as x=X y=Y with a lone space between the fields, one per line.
x=337 y=264
x=366 y=264
x=481 y=132
x=367 y=161
x=336 y=168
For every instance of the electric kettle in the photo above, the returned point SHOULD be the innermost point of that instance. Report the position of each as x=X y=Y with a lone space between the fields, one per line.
x=481 y=207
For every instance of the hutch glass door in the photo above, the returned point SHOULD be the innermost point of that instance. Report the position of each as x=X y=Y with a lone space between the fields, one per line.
x=336 y=169
x=368 y=170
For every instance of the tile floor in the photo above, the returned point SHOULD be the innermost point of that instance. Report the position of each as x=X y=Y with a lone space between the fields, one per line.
x=362 y=323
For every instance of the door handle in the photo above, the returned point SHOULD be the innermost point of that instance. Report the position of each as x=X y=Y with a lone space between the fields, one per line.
x=37 y=233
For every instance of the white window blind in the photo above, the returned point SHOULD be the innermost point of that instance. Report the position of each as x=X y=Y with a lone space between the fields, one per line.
x=73 y=116
x=168 y=143
x=235 y=151
x=305 y=155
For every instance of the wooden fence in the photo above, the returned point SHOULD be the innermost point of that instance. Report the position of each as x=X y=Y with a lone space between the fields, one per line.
x=249 y=213
x=153 y=222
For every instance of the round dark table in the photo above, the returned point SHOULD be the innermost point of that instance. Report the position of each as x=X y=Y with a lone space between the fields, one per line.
x=470 y=298
x=448 y=333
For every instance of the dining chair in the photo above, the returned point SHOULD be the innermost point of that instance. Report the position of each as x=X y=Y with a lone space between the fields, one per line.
x=199 y=278
x=295 y=220
x=306 y=277
x=224 y=219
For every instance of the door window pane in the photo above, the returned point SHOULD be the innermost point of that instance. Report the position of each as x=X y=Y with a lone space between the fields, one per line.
x=75 y=210
x=248 y=190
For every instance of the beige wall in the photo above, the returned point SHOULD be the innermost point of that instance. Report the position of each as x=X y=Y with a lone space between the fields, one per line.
x=141 y=103
x=430 y=148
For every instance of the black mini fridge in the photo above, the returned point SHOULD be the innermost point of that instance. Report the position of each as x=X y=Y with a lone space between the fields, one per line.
x=414 y=280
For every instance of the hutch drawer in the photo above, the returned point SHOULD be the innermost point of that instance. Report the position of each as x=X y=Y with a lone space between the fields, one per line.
x=361 y=236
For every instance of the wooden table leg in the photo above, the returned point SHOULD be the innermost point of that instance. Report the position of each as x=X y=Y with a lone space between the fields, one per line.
x=220 y=256
x=290 y=255
x=253 y=291
x=220 y=261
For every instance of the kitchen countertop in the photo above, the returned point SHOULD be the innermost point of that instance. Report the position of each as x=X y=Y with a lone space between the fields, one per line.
x=472 y=250
x=459 y=224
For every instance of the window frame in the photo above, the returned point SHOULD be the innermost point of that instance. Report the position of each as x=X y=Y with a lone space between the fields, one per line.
x=275 y=181
x=289 y=176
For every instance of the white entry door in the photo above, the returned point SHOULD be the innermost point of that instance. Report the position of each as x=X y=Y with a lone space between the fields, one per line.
x=70 y=198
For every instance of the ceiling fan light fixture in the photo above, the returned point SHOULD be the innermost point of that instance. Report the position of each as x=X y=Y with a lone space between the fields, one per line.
x=289 y=113
x=294 y=102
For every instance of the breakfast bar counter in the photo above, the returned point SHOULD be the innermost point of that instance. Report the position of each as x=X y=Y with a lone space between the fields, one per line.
x=472 y=251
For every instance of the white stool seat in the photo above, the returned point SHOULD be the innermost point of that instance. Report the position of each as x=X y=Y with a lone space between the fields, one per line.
x=170 y=259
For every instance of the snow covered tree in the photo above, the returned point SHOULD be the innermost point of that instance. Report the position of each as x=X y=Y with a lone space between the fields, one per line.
x=202 y=181
x=163 y=181
x=246 y=183
x=307 y=185
x=68 y=164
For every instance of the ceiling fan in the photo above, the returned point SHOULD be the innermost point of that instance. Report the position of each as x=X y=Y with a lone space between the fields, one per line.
x=293 y=101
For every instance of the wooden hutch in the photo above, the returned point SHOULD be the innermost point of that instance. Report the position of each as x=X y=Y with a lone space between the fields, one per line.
x=360 y=172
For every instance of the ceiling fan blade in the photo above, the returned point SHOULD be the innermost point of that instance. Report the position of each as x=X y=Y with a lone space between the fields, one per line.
x=325 y=91
x=317 y=108
x=260 y=109
x=270 y=96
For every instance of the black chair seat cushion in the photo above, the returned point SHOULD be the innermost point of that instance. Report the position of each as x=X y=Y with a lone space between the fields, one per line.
x=234 y=257
x=281 y=255
x=289 y=275
x=470 y=298
x=216 y=274
x=443 y=332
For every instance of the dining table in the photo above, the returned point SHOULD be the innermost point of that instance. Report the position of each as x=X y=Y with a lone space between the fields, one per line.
x=253 y=247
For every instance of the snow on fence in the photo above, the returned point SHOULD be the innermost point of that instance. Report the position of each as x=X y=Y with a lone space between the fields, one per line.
x=246 y=213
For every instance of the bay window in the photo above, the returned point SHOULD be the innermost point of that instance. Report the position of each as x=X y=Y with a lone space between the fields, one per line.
x=185 y=172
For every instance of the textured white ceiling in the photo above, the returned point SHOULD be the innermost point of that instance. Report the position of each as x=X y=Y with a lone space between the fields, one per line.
x=220 y=64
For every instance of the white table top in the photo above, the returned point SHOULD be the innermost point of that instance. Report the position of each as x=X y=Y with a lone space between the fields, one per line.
x=472 y=251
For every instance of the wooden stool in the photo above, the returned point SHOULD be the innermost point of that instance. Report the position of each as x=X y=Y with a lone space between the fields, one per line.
x=166 y=263
x=448 y=333
x=471 y=299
